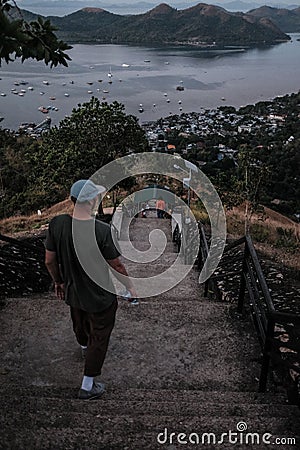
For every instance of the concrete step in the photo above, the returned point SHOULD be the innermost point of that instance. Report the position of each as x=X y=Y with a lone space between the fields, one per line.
x=154 y=402
x=44 y=425
x=201 y=347
x=150 y=395
x=143 y=252
x=97 y=438
x=178 y=280
x=139 y=229
x=174 y=344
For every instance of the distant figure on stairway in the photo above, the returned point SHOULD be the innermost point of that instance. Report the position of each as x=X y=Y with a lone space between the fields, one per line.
x=160 y=206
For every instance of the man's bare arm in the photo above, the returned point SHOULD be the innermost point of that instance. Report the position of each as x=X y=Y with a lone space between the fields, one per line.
x=119 y=267
x=53 y=268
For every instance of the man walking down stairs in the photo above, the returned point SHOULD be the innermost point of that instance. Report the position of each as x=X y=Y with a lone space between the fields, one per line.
x=181 y=372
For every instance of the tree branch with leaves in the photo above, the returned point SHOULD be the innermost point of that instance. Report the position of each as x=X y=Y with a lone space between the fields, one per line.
x=25 y=40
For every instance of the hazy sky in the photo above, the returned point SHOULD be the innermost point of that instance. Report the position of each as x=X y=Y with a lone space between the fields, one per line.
x=62 y=7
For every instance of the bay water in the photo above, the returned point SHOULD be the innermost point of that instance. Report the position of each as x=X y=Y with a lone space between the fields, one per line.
x=145 y=80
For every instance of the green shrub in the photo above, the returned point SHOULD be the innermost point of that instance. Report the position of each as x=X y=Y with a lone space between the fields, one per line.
x=259 y=233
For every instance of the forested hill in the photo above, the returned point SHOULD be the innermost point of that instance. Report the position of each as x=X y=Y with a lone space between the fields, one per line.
x=287 y=20
x=200 y=25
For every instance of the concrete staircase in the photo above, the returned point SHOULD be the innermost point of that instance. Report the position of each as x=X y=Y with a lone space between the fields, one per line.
x=177 y=363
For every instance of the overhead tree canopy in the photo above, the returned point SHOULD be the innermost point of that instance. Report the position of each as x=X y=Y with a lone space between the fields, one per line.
x=36 y=39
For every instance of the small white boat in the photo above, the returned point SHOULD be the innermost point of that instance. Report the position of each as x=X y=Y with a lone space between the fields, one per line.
x=154 y=105
x=66 y=94
x=110 y=73
x=21 y=94
x=105 y=91
x=147 y=60
x=52 y=98
x=179 y=102
x=90 y=92
x=30 y=88
x=125 y=65
x=3 y=94
x=165 y=94
x=46 y=82
x=42 y=93
x=168 y=100
x=167 y=63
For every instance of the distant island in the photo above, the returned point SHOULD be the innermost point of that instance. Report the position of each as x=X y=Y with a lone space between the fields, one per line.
x=201 y=25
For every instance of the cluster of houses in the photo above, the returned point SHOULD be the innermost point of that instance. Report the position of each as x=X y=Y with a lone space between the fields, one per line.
x=219 y=122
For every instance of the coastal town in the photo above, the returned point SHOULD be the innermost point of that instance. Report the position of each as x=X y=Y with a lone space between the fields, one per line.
x=219 y=123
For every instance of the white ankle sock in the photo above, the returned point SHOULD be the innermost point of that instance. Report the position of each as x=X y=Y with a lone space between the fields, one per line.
x=87 y=383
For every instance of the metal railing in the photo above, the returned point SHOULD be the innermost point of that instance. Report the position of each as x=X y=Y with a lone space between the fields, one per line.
x=278 y=332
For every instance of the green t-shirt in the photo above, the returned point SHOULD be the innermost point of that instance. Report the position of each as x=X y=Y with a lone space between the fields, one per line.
x=80 y=290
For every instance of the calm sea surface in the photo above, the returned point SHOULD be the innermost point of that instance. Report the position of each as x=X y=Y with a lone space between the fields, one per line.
x=210 y=78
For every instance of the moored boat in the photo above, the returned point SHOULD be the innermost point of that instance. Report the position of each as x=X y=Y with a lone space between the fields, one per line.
x=43 y=110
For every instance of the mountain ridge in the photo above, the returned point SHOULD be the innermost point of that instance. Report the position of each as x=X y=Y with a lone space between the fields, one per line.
x=285 y=19
x=201 y=24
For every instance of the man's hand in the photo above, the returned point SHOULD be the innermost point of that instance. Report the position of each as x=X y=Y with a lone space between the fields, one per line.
x=53 y=268
x=60 y=290
x=122 y=275
x=132 y=292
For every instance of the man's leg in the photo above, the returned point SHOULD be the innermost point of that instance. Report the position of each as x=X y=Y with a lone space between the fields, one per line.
x=100 y=328
x=79 y=320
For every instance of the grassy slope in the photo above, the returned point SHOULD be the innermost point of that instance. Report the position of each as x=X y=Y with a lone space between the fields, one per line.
x=265 y=227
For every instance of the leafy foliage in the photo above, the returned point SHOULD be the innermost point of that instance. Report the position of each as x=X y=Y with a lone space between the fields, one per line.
x=36 y=174
x=20 y=39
